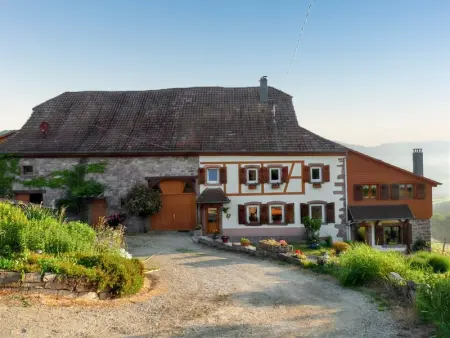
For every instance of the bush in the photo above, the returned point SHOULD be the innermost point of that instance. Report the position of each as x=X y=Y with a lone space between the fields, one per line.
x=329 y=241
x=435 y=261
x=420 y=245
x=312 y=228
x=340 y=247
x=433 y=303
x=364 y=264
x=142 y=201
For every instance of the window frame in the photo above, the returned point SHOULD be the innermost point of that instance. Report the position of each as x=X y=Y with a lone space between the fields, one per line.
x=279 y=175
x=248 y=176
x=247 y=213
x=283 y=216
x=217 y=182
x=409 y=196
x=317 y=180
x=28 y=173
x=322 y=206
x=370 y=195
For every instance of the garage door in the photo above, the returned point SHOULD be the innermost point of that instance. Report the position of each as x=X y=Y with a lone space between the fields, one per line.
x=178 y=210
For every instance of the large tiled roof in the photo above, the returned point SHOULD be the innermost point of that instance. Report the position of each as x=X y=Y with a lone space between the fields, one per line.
x=200 y=119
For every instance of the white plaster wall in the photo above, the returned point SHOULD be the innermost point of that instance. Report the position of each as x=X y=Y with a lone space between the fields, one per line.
x=324 y=193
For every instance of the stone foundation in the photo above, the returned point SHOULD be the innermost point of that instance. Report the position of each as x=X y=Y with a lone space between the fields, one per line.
x=421 y=228
x=51 y=284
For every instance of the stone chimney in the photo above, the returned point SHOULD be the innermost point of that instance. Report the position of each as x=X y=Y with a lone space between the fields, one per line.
x=263 y=90
x=418 y=162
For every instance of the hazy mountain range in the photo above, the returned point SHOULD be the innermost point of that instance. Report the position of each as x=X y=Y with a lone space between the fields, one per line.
x=436 y=158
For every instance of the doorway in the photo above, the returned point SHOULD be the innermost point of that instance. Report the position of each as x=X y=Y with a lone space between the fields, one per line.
x=212 y=220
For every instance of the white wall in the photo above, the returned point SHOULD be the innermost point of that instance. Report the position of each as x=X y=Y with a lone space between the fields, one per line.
x=295 y=193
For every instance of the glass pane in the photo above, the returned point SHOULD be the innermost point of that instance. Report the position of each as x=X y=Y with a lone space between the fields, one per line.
x=277 y=213
x=316 y=211
x=365 y=190
x=392 y=235
x=373 y=191
x=315 y=174
x=213 y=175
x=253 y=214
x=409 y=188
x=212 y=215
x=252 y=175
x=274 y=174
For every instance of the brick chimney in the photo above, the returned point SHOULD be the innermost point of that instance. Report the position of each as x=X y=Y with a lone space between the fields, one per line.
x=418 y=162
x=263 y=90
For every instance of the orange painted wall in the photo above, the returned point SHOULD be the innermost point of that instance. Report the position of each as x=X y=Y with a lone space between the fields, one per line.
x=362 y=170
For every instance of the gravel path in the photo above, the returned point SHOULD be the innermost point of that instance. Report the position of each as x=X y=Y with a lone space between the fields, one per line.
x=207 y=293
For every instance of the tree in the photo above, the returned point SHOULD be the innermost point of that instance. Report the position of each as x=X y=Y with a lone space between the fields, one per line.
x=142 y=201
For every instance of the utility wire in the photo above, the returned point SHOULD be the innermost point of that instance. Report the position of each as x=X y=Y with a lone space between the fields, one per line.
x=298 y=42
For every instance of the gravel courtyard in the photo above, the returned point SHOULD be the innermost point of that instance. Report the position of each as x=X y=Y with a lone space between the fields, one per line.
x=201 y=292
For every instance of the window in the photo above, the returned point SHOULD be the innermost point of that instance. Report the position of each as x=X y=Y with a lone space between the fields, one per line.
x=36 y=198
x=391 y=235
x=370 y=191
x=406 y=191
x=316 y=174
x=316 y=211
x=252 y=176
x=276 y=214
x=27 y=170
x=212 y=176
x=275 y=175
x=252 y=213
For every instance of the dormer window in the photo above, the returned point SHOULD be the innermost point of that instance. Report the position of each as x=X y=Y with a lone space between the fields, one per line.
x=316 y=174
x=274 y=175
x=252 y=176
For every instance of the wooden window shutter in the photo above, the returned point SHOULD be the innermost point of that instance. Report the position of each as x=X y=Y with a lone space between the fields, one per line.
x=242 y=176
x=305 y=174
x=264 y=214
x=260 y=175
x=223 y=175
x=285 y=174
x=266 y=176
x=379 y=233
x=289 y=213
x=384 y=193
x=242 y=214
x=201 y=175
x=395 y=191
x=419 y=192
x=304 y=210
x=326 y=173
x=330 y=213
x=358 y=192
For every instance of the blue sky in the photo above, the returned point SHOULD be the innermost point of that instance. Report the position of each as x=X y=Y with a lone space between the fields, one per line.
x=366 y=72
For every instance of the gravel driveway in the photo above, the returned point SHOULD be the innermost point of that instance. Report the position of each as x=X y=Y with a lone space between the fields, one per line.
x=207 y=293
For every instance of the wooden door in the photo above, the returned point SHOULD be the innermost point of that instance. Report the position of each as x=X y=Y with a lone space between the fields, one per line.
x=98 y=211
x=178 y=210
x=212 y=219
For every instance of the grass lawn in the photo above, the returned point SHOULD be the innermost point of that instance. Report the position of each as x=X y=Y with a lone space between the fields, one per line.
x=308 y=251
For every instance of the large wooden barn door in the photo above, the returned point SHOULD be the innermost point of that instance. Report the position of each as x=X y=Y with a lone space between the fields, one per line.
x=178 y=210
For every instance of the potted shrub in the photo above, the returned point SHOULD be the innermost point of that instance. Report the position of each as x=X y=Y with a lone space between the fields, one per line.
x=245 y=241
x=312 y=227
x=252 y=186
x=225 y=239
x=216 y=234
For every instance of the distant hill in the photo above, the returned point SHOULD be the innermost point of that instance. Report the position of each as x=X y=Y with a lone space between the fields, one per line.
x=436 y=158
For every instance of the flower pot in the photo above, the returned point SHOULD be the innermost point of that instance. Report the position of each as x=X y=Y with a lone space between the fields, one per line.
x=314 y=245
x=225 y=239
x=252 y=186
x=245 y=244
x=275 y=185
x=215 y=236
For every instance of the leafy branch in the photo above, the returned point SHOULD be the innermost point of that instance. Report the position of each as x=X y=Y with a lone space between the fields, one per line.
x=9 y=169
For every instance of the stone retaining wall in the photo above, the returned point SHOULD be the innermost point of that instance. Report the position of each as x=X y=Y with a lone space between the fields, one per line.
x=51 y=284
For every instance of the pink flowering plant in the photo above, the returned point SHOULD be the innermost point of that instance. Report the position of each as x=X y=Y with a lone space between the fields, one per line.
x=115 y=220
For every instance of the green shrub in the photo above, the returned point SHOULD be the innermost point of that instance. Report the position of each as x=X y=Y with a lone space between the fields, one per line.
x=143 y=201
x=439 y=263
x=329 y=241
x=365 y=264
x=420 y=245
x=433 y=303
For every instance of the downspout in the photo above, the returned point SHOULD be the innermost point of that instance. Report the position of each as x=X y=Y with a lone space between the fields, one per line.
x=347 y=227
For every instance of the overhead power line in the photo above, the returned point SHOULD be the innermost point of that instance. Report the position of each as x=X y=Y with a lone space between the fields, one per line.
x=298 y=41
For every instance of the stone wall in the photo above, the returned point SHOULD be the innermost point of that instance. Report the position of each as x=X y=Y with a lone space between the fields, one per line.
x=51 y=284
x=120 y=175
x=421 y=228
